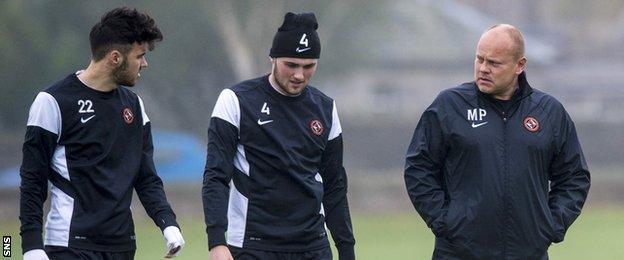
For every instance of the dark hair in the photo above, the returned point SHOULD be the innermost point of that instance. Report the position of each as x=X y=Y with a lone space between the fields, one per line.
x=122 y=26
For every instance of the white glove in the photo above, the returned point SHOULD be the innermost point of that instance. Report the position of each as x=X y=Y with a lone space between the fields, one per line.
x=36 y=254
x=175 y=241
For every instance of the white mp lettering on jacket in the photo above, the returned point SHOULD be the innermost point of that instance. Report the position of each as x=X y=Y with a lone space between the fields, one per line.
x=476 y=115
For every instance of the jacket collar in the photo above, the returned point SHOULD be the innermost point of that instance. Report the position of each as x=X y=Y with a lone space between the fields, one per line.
x=525 y=89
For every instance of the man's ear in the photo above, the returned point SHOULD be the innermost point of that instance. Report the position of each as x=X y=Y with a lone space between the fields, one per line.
x=521 y=65
x=115 y=58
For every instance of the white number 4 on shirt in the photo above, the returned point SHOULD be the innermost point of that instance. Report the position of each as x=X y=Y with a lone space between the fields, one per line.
x=265 y=109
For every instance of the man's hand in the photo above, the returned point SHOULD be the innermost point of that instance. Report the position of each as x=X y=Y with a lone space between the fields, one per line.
x=220 y=253
x=36 y=254
x=175 y=241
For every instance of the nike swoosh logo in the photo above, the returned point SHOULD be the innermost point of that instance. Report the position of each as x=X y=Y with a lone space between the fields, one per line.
x=84 y=120
x=302 y=50
x=477 y=125
x=264 y=122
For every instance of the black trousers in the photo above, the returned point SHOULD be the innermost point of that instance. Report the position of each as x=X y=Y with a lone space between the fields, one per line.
x=446 y=250
x=67 y=253
x=251 y=254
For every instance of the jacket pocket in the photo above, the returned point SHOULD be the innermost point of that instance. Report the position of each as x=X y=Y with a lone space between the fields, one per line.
x=549 y=230
x=457 y=222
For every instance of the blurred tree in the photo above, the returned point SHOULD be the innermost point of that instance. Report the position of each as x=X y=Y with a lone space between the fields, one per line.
x=37 y=43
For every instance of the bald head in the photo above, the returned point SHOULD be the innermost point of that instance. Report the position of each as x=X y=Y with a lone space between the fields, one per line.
x=499 y=60
x=512 y=34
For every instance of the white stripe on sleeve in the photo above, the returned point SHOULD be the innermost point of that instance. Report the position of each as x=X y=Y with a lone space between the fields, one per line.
x=143 y=114
x=227 y=108
x=336 y=129
x=45 y=113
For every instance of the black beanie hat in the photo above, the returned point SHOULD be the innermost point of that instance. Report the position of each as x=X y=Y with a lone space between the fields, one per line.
x=297 y=37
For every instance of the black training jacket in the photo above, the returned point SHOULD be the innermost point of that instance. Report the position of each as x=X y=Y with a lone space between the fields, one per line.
x=495 y=184
x=274 y=174
x=92 y=149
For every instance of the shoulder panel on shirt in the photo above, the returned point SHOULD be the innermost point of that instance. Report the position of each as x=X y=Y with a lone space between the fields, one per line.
x=248 y=85
x=143 y=114
x=45 y=113
x=336 y=128
x=466 y=91
x=327 y=102
x=546 y=102
x=227 y=108
x=316 y=92
x=539 y=96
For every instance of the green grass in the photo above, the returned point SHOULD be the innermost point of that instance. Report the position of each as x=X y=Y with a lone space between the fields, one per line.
x=597 y=234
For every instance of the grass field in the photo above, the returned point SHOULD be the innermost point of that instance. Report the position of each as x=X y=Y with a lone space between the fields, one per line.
x=597 y=234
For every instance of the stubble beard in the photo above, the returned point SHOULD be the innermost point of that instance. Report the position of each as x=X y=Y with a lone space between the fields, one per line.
x=282 y=86
x=121 y=75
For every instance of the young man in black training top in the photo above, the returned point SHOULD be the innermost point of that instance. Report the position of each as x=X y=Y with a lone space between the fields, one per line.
x=274 y=175
x=91 y=139
x=495 y=167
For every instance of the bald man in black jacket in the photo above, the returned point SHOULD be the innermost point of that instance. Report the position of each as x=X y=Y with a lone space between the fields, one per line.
x=495 y=167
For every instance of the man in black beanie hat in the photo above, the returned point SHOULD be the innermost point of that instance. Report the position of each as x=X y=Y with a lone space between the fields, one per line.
x=274 y=175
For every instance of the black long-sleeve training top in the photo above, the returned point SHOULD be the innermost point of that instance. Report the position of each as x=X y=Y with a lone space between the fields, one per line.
x=496 y=183
x=94 y=148
x=274 y=174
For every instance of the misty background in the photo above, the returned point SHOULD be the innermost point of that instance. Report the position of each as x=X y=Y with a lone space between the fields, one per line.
x=382 y=61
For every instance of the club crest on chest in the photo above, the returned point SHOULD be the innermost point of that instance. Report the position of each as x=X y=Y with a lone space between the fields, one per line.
x=317 y=127
x=128 y=116
x=531 y=124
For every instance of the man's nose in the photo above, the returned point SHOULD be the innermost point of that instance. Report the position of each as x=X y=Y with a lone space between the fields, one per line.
x=144 y=63
x=298 y=74
x=484 y=68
